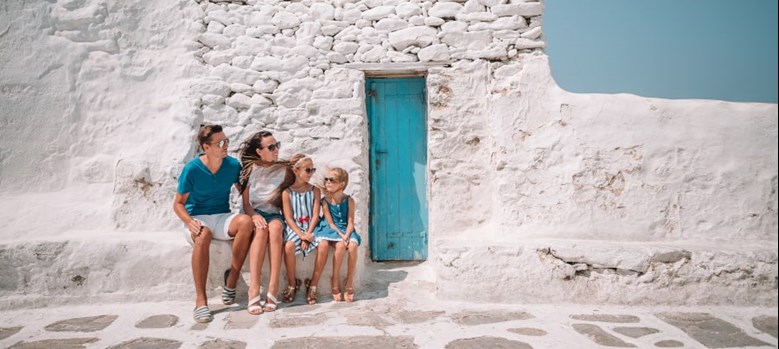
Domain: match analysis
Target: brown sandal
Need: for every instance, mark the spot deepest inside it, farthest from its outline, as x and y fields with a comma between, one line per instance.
x=288, y=296
x=311, y=298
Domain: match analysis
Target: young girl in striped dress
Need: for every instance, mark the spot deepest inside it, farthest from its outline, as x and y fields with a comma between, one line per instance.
x=300, y=205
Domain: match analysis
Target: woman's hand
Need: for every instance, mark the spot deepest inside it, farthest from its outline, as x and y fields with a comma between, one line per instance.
x=259, y=222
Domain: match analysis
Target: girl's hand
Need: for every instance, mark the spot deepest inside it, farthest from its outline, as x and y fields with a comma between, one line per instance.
x=308, y=237
x=304, y=245
x=259, y=222
x=346, y=240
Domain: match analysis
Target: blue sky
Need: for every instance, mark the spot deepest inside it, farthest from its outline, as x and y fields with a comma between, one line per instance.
x=709, y=49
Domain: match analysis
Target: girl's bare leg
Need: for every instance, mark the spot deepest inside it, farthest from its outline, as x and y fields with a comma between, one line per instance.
x=351, y=267
x=289, y=262
x=338, y=256
x=319, y=267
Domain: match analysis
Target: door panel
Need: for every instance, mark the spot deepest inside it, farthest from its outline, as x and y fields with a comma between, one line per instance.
x=398, y=217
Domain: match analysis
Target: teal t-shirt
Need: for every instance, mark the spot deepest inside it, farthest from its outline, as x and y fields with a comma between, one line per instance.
x=208, y=193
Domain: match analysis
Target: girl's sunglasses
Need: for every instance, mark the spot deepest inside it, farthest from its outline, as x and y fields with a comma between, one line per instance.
x=330, y=179
x=309, y=170
x=273, y=147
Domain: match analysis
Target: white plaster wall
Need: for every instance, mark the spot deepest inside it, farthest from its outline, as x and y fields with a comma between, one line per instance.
x=100, y=101
x=95, y=108
x=532, y=161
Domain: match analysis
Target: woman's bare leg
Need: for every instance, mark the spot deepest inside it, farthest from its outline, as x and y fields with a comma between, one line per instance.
x=276, y=240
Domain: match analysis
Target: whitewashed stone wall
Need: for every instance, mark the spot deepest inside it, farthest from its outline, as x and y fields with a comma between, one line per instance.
x=298, y=68
x=540, y=194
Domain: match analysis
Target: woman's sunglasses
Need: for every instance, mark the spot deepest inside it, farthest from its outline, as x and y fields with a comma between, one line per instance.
x=309, y=170
x=273, y=147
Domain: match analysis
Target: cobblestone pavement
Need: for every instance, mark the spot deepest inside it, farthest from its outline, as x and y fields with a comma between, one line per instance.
x=400, y=314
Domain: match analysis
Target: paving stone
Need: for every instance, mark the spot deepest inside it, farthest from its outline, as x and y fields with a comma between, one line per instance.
x=373, y=342
x=600, y=336
x=413, y=317
x=470, y=318
x=765, y=323
x=6, y=332
x=223, y=344
x=82, y=324
x=636, y=332
x=487, y=342
x=710, y=331
x=373, y=319
x=297, y=320
x=147, y=342
x=241, y=320
x=158, y=321
x=670, y=343
x=528, y=331
x=606, y=318
x=69, y=343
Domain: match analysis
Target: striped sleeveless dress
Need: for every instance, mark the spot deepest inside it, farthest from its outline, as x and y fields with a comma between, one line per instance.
x=302, y=209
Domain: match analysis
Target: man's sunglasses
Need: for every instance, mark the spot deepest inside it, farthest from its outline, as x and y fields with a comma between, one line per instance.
x=222, y=143
x=273, y=147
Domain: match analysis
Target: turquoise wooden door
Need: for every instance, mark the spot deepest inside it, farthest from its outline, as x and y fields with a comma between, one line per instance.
x=398, y=217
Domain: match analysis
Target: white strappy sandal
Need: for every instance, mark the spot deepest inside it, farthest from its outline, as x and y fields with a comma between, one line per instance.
x=271, y=303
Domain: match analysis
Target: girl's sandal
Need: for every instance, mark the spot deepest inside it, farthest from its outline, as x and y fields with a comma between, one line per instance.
x=311, y=295
x=336, y=295
x=349, y=295
x=288, y=296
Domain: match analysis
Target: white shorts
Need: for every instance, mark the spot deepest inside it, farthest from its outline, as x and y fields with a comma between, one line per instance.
x=219, y=224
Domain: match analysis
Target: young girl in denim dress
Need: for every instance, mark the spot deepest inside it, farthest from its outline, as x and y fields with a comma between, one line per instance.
x=337, y=229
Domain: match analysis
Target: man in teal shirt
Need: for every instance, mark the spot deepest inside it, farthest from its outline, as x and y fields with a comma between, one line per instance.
x=202, y=202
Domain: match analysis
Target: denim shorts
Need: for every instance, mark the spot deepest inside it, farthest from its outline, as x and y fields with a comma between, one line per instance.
x=269, y=216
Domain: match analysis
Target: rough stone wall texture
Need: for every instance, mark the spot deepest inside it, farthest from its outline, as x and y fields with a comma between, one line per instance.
x=112, y=94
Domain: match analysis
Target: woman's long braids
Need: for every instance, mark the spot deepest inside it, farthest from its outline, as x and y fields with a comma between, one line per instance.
x=249, y=157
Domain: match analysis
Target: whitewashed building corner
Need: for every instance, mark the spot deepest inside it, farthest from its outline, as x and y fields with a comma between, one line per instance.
x=534, y=194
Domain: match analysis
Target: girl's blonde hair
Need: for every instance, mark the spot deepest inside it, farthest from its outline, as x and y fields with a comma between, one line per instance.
x=298, y=159
x=343, y=176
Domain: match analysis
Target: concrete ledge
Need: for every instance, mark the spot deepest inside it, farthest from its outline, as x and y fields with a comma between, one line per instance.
x=605, y=272
x=117, y=267
x=40, y=273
